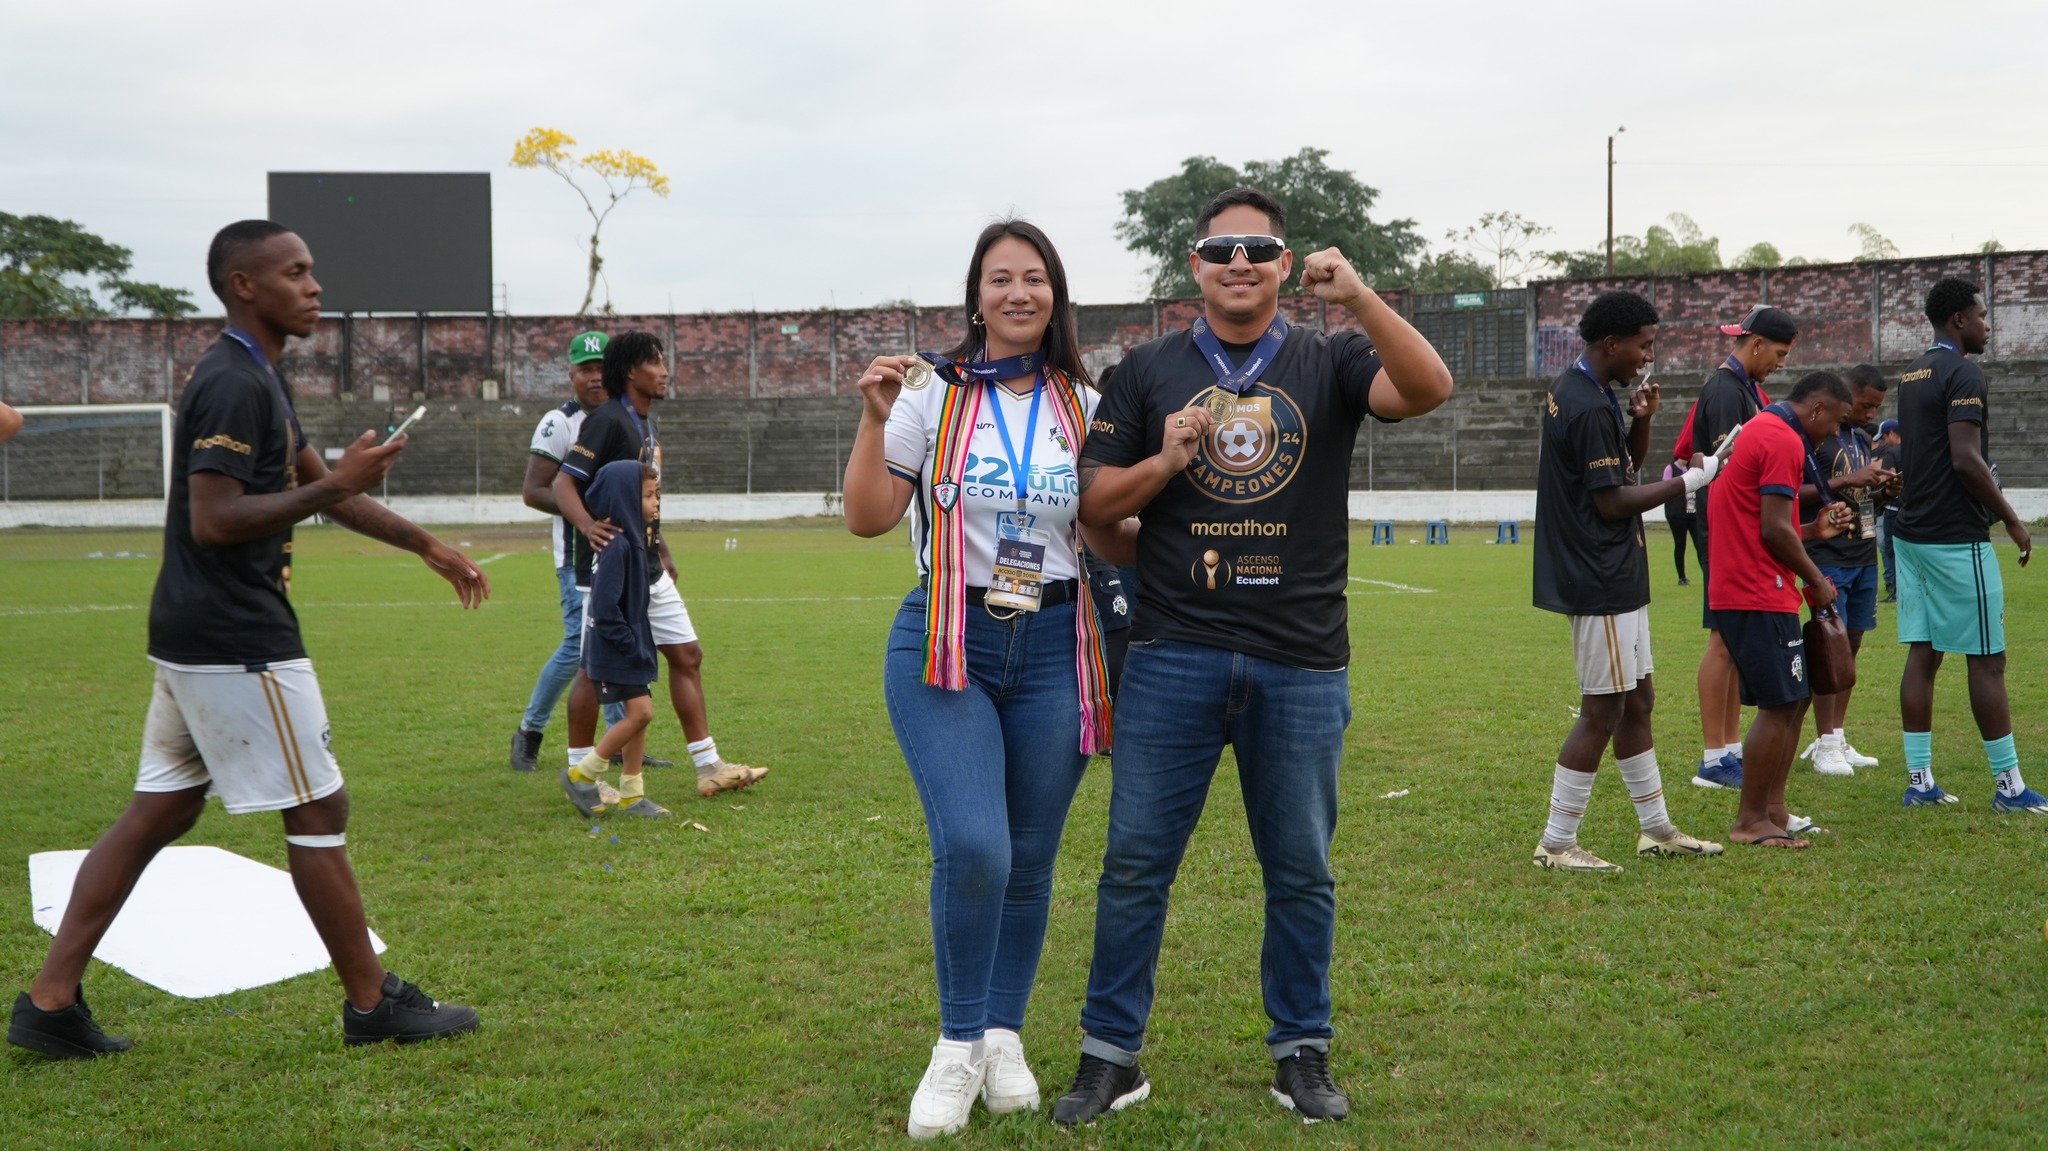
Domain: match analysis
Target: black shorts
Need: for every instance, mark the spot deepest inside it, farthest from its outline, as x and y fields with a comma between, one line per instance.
x=1770, y=655
x=619, y=692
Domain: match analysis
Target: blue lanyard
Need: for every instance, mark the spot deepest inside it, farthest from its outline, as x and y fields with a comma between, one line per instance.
x=277, y=382
x=641, y=424
x=1946, y=344
x=1231, y=378
x=981, y=368
x=1606, y=389
x=1020, y=468
x=1783, y=410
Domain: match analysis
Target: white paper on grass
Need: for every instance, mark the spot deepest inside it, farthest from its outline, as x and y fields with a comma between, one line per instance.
x=202, y=921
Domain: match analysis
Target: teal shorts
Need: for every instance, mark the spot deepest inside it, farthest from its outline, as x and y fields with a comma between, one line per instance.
x=1951, y=596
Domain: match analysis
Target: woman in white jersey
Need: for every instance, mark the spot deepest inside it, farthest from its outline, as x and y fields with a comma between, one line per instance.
x=994, y=674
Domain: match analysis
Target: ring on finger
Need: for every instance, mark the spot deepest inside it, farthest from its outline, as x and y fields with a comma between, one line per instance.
x=1180, y=421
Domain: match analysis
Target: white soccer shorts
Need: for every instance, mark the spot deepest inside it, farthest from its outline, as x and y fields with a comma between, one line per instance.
x=259, y=737
x=666, y=615
x=1612, y=651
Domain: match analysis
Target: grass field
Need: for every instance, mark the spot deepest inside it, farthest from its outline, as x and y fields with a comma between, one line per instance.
x=767, y=981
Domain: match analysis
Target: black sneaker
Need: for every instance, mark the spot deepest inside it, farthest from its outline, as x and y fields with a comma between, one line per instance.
x=1302, y=1084
x=525, y=750
x=405, y=1015
x=67, y=1033
x=619, y=760
x=1099, y=1086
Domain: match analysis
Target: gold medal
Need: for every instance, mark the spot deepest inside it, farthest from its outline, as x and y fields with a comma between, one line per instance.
x=1221, y=405
x=917, y=375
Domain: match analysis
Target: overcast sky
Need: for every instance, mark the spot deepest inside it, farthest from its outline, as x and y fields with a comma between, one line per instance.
x=848, y=152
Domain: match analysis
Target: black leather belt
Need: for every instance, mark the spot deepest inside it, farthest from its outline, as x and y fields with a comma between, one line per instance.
x=1052, y=595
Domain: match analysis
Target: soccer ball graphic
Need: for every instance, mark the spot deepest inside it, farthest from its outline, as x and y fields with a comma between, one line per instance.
x=1240, y=440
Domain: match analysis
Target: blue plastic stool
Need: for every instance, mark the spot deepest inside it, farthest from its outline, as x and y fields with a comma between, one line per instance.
x=1383, y=532
x=1439, y=532
x=1508, y=532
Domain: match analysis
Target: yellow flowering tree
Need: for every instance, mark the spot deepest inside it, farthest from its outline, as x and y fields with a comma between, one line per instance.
x=619, y=171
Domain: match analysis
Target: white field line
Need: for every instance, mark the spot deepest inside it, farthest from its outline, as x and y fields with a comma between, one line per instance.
x=1395, y=586
x=493, y=559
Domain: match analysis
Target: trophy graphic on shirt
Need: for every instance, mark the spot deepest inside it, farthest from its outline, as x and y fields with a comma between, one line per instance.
x=1210, y=559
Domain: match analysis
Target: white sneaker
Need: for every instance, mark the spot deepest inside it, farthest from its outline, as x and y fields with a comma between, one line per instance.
x=1007, y=1083
x=1857, y=758
x=1828, y=759
x=945, y=1096
x=1810, y=749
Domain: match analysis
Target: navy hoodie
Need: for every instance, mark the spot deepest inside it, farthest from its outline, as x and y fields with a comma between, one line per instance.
x=618, y=641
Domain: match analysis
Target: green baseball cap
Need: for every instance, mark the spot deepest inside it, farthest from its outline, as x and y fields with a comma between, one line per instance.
x=587, y=347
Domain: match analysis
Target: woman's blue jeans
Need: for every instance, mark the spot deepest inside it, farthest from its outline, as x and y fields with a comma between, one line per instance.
x=995, y=766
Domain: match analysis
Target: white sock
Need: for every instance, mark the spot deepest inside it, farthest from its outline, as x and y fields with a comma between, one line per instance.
x=1646, y=787
x=1734, y=749
x=1841, y=736
x=1710, y=757
x=704, y=753
x=1569, y=792
x=576, y=754
x=2009, y=782
x=1833, y=739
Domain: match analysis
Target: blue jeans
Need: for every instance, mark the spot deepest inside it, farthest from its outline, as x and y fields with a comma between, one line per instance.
x=560, y=670
x=995, y=766
x=1178, y=705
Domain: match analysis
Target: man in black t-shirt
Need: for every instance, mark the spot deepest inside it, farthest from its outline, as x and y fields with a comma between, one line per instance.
x=1592, y=567
x=1951, y=592
x=1232, y=442
x=1887, y=446
x=1850, y=559
x=1732, y=395
x=635, y=375
x=237, y=710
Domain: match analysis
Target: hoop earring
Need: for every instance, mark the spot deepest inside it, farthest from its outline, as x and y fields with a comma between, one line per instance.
x=977, y=321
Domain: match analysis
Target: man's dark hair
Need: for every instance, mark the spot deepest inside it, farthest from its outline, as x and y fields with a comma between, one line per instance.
x=231, y=245
x=1615, y=313
x=1276, y=216
x=626, y=351
x=1062, y=337
x=1827, y=382
x=1864, y=377
x=1949, y=295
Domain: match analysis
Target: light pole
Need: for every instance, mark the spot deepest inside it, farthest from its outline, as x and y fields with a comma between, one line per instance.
x=1610, y=198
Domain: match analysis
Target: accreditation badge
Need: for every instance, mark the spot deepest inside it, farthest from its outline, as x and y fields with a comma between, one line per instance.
x=1018, y=581
x=1866, y=515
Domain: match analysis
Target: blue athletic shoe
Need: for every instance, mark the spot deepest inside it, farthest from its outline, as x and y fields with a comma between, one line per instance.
x=1932, y=797
x=2030, y=801
x=1724, y=772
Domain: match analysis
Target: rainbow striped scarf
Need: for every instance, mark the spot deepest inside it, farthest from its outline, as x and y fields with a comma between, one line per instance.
x=945, y=654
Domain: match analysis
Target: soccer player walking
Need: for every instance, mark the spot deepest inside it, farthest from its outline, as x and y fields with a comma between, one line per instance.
x=1232, y=443
x=552, y=439
x=1592, y=566
x=237, y=710
x=1757, y=553
x=1951, y=595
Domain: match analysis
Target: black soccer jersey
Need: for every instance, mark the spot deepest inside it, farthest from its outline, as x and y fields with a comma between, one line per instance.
x=1249, y=548
x=228, y=605
x=1941, y=388
x=1586, y=564
x=614, y=431
x=1856, y=547
x=1729, y=397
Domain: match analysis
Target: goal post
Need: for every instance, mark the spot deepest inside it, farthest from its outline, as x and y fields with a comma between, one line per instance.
x=88, y=452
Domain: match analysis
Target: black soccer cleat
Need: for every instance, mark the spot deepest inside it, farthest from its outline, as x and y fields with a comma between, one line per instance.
x=1302, y=1084
x=66, y=1033
x=1099, y=1087
x=525, y=750
x=405, y=1015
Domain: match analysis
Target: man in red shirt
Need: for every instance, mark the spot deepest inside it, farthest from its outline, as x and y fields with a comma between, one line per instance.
x=1757, y=546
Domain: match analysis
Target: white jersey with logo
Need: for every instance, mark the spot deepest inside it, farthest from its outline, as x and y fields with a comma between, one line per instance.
x=551, y=439
x=1053, y=494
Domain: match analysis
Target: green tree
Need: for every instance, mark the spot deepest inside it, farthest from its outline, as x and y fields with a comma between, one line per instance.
x=47, y=267
x=1874, y=245
x=1451, y=271
x=1674, y=248
x=1762, y=254
x=1326, y=207
x=1989, y=246
x=1506, y=241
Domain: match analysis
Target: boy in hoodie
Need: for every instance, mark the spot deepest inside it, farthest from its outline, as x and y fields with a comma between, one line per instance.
x=618, y=639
